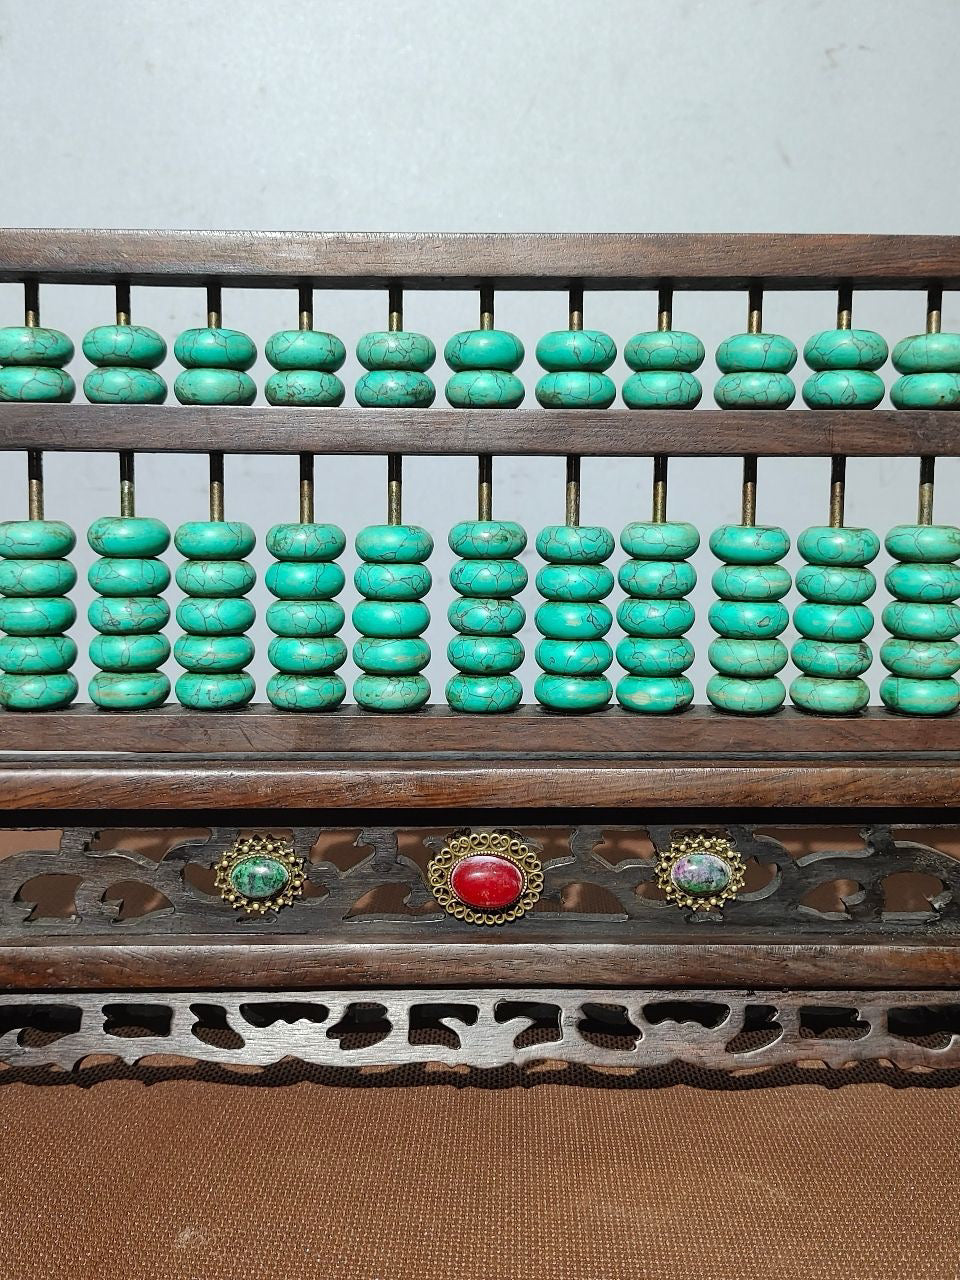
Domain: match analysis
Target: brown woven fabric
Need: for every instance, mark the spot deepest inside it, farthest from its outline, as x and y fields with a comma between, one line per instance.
x=197, y=1173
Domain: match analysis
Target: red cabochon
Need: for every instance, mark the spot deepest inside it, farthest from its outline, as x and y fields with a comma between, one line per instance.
x=486, y=881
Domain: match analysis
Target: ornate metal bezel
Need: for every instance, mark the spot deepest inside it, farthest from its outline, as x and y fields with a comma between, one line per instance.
x=687, y=842
x=501, y=844
x=264, y=846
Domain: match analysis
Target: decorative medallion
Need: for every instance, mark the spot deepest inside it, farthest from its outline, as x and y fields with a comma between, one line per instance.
x=700, y=871
x=486, y=877
x=259, y=874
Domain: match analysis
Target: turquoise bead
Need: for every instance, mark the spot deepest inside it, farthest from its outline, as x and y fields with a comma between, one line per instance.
x=214, y=386
x=37, y=655
x=32, y=384
x=486, y=617
x=668, y=540
x=845, y=349
x=577, y=582
x=304, y=617
x=485, y=655
x=44, y=616
x=129, y=690
x=746, y=697
x=920, y=697
x=664, y=349
x=747, y=620
x=306, y=693
x=391, y=657
x=304, y=580
x=921, y=659
x=924, y=583
x=304, y=387
x=751, y=581
x=654, y=695
x=653, y=656
x=128, y=615
x=395, y=389
x=575, y=543
x=662, y=390
x=843, y=389
x=307, y=542
x=660, y=579
x=483, y=693
x=747, y=659
x=215, y=616
x=394, y=544
x=487, y=539
x=36, y=539
x=925, y=391
x=923, y=543
x=574, y=657
x=124, y=386
x=399, y=350
x=223, y=349
x=213, y=653
x=494, y=349
x=749, y=544
x=586, y=350
x=216, y=692
x=297, y=655
x=484, y=388
x=392, y=581
x=216, y=578
x=834, y=660
x=389, y=619
x=137, y=536
x=572, y=693
x=829, y=697
x=837, y=622
x=37, y=692
x=495, y=579
x=22, y=344
x=754, y=391
x=215, y=539
x=756, y=352
x=836, y=584
x=655, y=618
x=36, y=577
x=576, y=390
x=124, y=346
x=824, y=544
x=927, y=353
x=143, y=652
x=558, y=620
x=128, y=576
x=911, y=621
x=391, y=693
x=305, y=349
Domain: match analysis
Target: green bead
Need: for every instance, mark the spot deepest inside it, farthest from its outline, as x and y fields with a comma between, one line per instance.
x=920, y=697
x=923, y=543
x=302, y=349
x=661, y=389
x=128, y=576
x=386, y=619
x=46, y=616
x=829, y=697
x=259, y=877
x=37, y=692
x=746, y=697
x=398, y=349
x=668, y=540
x=924, y=583
x=214, y=386
x=925, y=391
x=32, y=384
x=751, y=581
x=306, y=693
x=756, y=353
x=304, y=580
x=215, y=348
x=124, y=386
x=36, y=539
x=216, y=617
x=928, y=353
x=558, y=620
x=574, y=657
x=310, y=542
x=576, y=390
x=587, y=350
x=660, y=579
x=487, y=539
x=304, y=387
x=748, y=620
x=128, y=691
x=305, y=617
x=921, y=659
x=215, y=539
x=653, y=656
x=213, y=653
x=128, y=615
x=124, y=346
x=485, y=655
x=216, y=578
x=845, y=349
x=36, y=577
x=655, y=618
x=831, y=659
x=754, y=391
x=575, y=543
x=747, y=659
x=485, y=617
x=399, y=389
x=922, y=621
x=134, y=536
x=824, y=544
x=572, y=693
x=484, y=388
x=384, y=657
x=392, y=581
x=22, y=344
x=482, y=694
x=129, y=652
x=836, y=584
x=578, y=582
x=654, y=695
x=839, y=622
x=37, y=655
x=749, y=544
x=301, y=655
x=391, y=693
x=668, y=349
x=843, y=389
x=484, y=349
x=216, y=692
x=394, y=544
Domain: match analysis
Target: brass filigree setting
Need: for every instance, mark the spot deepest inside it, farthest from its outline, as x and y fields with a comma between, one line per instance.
x=260, y=873
x=508, y=862
x=700, y=870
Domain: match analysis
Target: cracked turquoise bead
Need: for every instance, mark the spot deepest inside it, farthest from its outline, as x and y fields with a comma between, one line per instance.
x=671, y=350
x=827, y=545
x=837, y=622
x=559, y=620
x=44, y=616
x=751, y=581
x=746, y=620
x=667, y=540
x=749, y=544
x=576, y=390
x=37, y=655
x=488, y=617
x=391, y=693
x=133, y=536
x=754, y=391
x=124, y=346
x=746, y=697
x=652, y=656
x=289, y=692
x=655, y=618
x=128, y=576
x=756, y=352
x=36, y=577
x=37, y=692
x=659, y=579
x=576, y=582
x=654, y=695
x=396, y=349
x=395, y=389
x=920, y=697
x=574, y=657
x=215, y=348
x=391, y=656
x=124, y=386
x=485, y=654
x=836, y=584
x=33, y=384
x=216, y=692
x=920, y=659
x=927, y=353
x=299, y=350
x=575, y=543
x=128, y=690
x=143, y=652
x=572, y=693
x=36, y=539
x=295, y=618
x=832, y=660
x=495, y=579
x=843, y=389
x=22, y=344
x=661, y=389
x=215, y=616
x=394, y=543
x=829, y=697
x=924, y=543
x=484, y=388
x=128, y=615
x=747, y=659
x=925, y=391
x=479, y=694
x=214, y=579
x=388, y=619
x=214, y=386
x=306, y=542
x=213, y=653
x=845, y=349
x=304, y=387
x=915, y=621
x=214, y=539
x=924, y=583
x=566, y=350
x=484, y=349
x=487, y=539
x=392, y=581
x=305, y=579
x=298, y=655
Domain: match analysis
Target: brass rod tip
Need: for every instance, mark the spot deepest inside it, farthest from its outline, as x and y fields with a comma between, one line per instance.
x=572, y=496
x=395, y=308
x=659, y=488
x=34, y=484
x=664, y=308
x=122, y=296
x=845, y=306
x=305, y=306
x=838, y=483
x=486, y=306
x=925, y=492
x=575, y=306
x=485, y=486
x=748, y=496
x=394, y=488
x=214, y=306
x=216, y=487
x=934, y=309
x=31, y=303
x=755, y=309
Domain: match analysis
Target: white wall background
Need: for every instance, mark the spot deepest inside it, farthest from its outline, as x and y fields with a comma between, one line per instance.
x=715, y=115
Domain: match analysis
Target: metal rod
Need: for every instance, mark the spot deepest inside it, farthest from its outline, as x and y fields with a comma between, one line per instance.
x=755, y=309
x=934, y=309
x=128, y=501
x=485, y=460
x=927, y=461
x=122, y=291
x=748, y=495
x=394, y=487
x=306, y=488
x=665, y=308
x=660, y=460
x=845, y=306
x=576, y=306
x=486, y=306
x=214, y=306
x=838, y=478
x=395, y=308
x=216, y=486
x=34, y=484
x=31, y=303
x=572, y=499
x=305, y=297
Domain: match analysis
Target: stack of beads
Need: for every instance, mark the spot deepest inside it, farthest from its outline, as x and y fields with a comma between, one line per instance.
x=392, y=617
x=484, y=362
x=844, y=363
x=215, y=360
x=748, y=617
x=396, y=361
x=834, y=620
x=126, y=356
x=306, y=361
x=31, y=365
x=930, y=364
x=304, y=618
x=35, y=655
x=664, y=361
x=923, y=619
x=755, y=368
x=575, y=360
x=128, y=613
x=573, y=621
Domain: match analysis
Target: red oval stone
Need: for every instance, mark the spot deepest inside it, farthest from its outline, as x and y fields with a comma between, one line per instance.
x=485, y=881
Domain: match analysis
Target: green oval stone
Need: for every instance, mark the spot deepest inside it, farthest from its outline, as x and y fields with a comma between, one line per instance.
x=486, y=617
x=216, y=692
x=36, y=577
x=124, y=346
x=575, y=582
x=303, y=655
x=484, y=349
x=394, y=544
x=829, y=697
x=921, y=659
x=483, y=694
x=746, y=697
x=928, y=353
x=824, y=544
x=305, y=349
x=654, y=656
x=309, y=542
x=926, y=391
x=487, y=539
x=922, y=621
x=754, y=391
x=216, y=578
x=751, y=581
x=46, y=616
x=213, y=653
x=924, y=583
x=586, y=350
x=22, y=344
x=747, y=659
x=748, y=620
x=924, y=543
x=395, y=389
x=920, y=697
x=128, y=576
x=574, y=657
x=128, y=615
x=259, y=877
x=305, y=580
x=399, y=349
x=836, y=584
x=391, y=693
x=666, y=349
x=701, y=874
x=661, y=579
x=226, y=349
x=32, y=384
x=558, y=620
x=215, y=539
x=37, y=693
x=749, y=544
x=831, y=659
x=304, y=387
x=661, y=389
x=306, y=693
x=572, y=693
x=654, y=695
x=655, y=618
x=755, y=353
x=392, y=581
x=485, y=655
x=575, y=543
x=845, y=349
x=836, y=622
x=129, y=690
x=388, y=619
x=484, y=388
x=304, y=617
x=134, y=652
x=216, y=617
x=576, y=390
x=843, y=389
x=128, y=536
x=666, y=540
x=391, y=657
x=37, y=655
x=124, y=386
x=214, y=386
x=36, y=539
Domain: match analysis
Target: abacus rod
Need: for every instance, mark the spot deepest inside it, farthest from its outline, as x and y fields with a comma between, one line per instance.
x=485, y=460
x=838, y=463
x=31, y=303
x=572, y=495
x=748, y=493
x=31, y=318
x=660, y=460
x=122, y=293
x=305, y=306
x=927, y=461
x=214, y=315
x=305, y=321
x=127, y=490
x=394, y=460
x=214, y=306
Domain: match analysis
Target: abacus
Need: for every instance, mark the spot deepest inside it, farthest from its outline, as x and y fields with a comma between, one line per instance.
x=488, y=808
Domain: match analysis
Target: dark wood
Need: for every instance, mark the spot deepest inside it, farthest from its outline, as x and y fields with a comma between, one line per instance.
x=804, y=433
x=441, y=260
